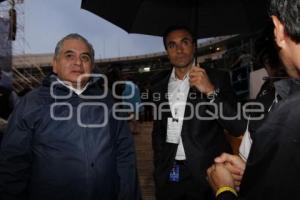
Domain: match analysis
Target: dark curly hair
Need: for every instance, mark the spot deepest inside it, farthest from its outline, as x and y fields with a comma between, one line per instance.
x=267, y=51
x=288, y=12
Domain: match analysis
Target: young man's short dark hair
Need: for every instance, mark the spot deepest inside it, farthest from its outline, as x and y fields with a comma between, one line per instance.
x=175, y=28
x=288, y=13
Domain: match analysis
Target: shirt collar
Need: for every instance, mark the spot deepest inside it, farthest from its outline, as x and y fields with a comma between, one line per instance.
x=174, y=78
x=76, y=90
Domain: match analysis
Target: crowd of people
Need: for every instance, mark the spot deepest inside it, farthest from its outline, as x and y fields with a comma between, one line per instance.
x=71, y=138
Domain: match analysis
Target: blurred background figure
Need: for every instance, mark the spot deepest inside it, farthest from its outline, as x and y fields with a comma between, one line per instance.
x=125, y=89
x=113, y=77
x=8, y=99
x=132, y=98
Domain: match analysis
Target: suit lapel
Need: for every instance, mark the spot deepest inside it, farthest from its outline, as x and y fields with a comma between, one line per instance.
x=194, y=97
x=163, y=91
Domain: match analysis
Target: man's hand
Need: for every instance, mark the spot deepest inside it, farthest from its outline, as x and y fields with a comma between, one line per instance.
x=234, y=164
x=200, y=79
x=219, y=176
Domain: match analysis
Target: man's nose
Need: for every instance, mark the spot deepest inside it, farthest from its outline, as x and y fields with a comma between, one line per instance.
x=179, y=48
x=78, y=60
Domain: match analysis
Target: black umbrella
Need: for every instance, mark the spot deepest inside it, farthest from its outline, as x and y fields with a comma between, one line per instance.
x=207, y=18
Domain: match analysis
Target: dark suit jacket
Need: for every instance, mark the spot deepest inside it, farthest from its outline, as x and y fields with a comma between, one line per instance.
x=203, y=140
x=266, y=97
x=272, y=170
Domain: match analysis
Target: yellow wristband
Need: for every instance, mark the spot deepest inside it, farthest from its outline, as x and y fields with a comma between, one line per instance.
x=224, y=189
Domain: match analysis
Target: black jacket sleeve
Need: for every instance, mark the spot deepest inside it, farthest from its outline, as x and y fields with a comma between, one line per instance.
x=229, y=109
x=226, y=196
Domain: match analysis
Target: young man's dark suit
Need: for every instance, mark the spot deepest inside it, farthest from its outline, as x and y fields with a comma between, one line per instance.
x=203, y=140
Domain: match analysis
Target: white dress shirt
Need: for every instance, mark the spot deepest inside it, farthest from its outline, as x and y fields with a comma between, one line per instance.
x=178, y=91
x=246, y=143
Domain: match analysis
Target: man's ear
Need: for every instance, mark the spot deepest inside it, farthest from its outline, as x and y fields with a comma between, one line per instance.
x=279, y=32
x=54, y=65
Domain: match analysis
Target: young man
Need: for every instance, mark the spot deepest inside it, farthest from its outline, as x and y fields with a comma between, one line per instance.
x=186, y=135
x=62, y=141
x=272, y=170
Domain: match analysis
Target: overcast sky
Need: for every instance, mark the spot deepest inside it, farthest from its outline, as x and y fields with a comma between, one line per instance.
x=47, y=21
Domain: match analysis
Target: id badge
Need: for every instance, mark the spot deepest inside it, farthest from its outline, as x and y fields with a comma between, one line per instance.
x=174, y=173
x=173, y=131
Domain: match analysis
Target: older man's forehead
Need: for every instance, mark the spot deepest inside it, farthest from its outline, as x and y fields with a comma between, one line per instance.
x=66, y=51
x=72, y=44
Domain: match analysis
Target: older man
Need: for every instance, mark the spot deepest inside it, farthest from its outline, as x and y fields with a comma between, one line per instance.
x=62, y=141
x=272, y=170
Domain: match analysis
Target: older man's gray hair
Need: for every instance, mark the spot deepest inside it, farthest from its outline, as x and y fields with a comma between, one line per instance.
x=75, y=36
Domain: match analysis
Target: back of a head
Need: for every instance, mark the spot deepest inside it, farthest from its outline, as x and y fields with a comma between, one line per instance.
x=288, y=12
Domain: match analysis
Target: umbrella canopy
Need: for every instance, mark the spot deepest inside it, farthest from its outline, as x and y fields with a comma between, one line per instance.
x=207, y=18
